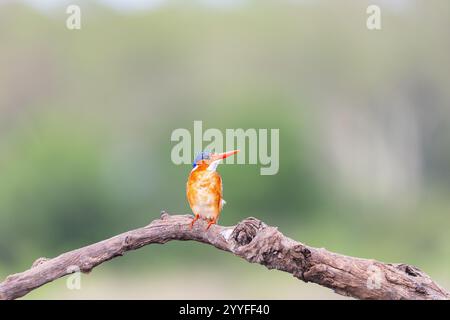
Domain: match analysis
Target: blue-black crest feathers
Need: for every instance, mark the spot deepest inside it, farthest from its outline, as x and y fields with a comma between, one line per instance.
x=202, y=155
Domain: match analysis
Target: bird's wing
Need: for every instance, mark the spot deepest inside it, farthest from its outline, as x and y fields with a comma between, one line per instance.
x=221, y=201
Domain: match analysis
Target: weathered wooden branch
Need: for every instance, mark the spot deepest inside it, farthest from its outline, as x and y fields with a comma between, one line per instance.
x=253, y=241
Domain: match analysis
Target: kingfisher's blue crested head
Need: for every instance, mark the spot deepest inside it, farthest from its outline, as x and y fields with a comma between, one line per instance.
x=204, y=155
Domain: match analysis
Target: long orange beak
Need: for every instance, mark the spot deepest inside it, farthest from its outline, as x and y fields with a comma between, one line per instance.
x=225, y=154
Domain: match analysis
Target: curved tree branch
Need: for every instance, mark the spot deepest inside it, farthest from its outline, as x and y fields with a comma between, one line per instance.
x=253, y=241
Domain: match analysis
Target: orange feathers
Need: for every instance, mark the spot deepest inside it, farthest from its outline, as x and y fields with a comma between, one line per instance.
x=204, y=193
x=204, y=187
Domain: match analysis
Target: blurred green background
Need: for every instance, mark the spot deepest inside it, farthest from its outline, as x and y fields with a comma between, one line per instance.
x=86, y=118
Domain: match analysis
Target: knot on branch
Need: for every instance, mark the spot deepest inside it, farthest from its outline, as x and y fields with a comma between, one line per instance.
x=39, y=261
x=164, y=215
x=258, y=243
x=300, y=255
x=409, y=270
x=246, y=231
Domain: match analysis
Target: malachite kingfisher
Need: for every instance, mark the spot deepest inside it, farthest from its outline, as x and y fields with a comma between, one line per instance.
x=204, y=187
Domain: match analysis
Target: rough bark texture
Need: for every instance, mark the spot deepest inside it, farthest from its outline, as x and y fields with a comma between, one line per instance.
x=253, y=241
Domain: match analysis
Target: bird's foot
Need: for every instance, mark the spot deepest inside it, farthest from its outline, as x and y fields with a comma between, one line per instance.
x=210, y=223
x=191, y=225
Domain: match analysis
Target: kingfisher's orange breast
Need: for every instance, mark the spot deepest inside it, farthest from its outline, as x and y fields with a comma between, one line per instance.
x=204, y=192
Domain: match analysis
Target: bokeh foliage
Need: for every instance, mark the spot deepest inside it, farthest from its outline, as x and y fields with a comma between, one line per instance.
x=86, y=118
